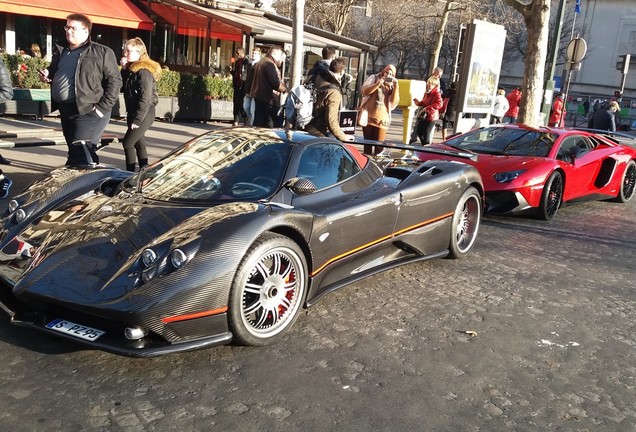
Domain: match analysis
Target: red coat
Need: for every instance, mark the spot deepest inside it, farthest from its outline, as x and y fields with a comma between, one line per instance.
x=555, y=113
x=514, y=97
x=432, y=102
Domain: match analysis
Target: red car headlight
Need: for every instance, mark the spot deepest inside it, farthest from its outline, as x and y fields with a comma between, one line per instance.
x=507, y=176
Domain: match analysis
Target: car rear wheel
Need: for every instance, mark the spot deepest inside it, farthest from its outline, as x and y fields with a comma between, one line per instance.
x=551, y=197
x=628, y=184
x=268, y=290
x=465, y=223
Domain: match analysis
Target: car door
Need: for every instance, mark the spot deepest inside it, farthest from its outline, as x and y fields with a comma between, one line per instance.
x=355, y=209
x=581, y=172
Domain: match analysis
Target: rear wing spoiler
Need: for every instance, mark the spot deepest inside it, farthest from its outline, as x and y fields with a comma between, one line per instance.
x=412, y=148
x=618, y=137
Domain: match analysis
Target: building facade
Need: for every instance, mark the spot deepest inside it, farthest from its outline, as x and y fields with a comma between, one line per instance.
x=197, y=36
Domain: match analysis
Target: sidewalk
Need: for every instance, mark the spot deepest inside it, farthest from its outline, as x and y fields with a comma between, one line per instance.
x=37, y=146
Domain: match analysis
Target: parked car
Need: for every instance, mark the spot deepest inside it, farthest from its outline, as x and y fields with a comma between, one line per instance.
x=527, y=169
x=226, y=238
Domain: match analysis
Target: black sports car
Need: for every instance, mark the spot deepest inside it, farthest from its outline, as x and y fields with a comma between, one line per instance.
x=225, y=238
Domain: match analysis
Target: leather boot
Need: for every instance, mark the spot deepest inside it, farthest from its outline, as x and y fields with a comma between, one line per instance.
x=130, y=167
x=143, y=163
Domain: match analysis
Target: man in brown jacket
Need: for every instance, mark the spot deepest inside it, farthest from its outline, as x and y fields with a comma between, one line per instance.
x=266, y=89
x=328, y=101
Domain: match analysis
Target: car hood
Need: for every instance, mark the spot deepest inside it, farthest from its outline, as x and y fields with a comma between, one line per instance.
x=488, y=165
x=87, y=251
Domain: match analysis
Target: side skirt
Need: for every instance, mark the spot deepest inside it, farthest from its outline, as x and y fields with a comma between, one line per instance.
x=375, y=270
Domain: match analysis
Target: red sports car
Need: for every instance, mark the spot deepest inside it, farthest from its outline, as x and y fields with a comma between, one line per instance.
x=538, y=169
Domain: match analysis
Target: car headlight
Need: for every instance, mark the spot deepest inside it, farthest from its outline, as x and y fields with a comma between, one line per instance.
x=507, y=176
x=13, y=205
x=148, y=257
x=178, y=258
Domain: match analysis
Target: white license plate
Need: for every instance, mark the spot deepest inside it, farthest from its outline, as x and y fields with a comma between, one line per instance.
x=77, y=330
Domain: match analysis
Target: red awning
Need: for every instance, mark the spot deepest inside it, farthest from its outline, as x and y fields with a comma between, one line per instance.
x=116, y=13
x=191, y=23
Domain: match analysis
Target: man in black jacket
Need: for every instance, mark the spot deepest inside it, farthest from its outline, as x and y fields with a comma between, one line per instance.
x=603, y=119
x=85, y=85
x=6, y=93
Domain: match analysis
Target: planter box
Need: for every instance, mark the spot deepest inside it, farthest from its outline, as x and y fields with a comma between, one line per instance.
x=28, y=102
x=31, y=94
x=191, y=109
x=165, y=108
x=180, y=108
x=221, y=110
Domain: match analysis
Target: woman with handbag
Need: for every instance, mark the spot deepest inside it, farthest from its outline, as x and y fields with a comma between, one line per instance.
x=429, y=112
x=380, y=96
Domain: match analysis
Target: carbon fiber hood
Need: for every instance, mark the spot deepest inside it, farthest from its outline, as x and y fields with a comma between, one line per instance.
x=87, y=251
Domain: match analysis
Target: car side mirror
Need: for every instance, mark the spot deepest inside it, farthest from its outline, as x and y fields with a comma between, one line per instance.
x=301, y=186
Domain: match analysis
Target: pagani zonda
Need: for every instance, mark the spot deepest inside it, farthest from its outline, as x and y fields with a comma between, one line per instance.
x=527, y=169
x=226, y=238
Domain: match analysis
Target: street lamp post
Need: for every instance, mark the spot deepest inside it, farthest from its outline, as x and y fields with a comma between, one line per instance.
x=549, y=82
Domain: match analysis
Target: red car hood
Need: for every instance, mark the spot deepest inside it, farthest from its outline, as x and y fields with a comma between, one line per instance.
x=488, y=165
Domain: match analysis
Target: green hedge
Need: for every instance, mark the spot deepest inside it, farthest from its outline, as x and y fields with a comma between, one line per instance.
x=24, y=74
x=193, y=86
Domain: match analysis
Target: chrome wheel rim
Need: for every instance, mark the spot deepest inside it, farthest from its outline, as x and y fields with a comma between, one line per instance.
x=467, y=224
x=273, y=292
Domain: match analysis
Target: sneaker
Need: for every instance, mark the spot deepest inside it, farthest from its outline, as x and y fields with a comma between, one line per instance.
x=5, y=184
x=4, y=161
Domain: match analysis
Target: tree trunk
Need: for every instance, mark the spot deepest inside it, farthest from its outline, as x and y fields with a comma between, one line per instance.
x=536, y=16
x=439, y=34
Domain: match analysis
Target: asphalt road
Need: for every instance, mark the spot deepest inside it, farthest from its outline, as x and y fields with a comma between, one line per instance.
x=552, y=306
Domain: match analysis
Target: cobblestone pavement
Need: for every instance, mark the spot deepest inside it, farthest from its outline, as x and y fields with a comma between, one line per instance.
x=552, y=305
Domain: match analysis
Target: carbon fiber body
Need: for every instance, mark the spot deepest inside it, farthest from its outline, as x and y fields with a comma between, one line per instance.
x=77, y=254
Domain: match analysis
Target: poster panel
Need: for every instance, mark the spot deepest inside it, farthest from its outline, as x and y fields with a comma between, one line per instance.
x=482, y=67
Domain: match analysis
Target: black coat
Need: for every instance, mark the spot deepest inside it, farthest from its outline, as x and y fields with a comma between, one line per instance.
x=6, y=88
x=140, y=88
x=602, y=120
x=97, y=80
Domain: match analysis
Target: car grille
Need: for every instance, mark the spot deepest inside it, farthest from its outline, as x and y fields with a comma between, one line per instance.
x=501, y=202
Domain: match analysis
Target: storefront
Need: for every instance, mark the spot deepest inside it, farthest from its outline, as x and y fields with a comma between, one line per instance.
x=197, y=36
x=41, y=22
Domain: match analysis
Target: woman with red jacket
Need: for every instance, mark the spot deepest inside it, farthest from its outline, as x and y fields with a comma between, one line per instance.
x=514, y=98
x=429, y=112
x=557, y=113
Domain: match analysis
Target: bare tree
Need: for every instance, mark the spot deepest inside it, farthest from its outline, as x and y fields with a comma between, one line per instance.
x=331, y=15
x=536, y=14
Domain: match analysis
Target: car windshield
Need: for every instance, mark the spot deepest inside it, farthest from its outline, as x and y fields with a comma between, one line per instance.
x=218, y=166
x=505, y=141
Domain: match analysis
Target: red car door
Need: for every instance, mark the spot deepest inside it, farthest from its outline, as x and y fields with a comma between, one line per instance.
x=580, y=172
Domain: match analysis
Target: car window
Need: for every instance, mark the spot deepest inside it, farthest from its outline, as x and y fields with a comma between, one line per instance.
x=505, y=141
x=326, y=164
x=583, y=144
x=219, y=166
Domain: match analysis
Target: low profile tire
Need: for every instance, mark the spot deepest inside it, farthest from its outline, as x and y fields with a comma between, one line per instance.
x=465, y=224
x=551, y=197
x=628, y=183
x=268, y=291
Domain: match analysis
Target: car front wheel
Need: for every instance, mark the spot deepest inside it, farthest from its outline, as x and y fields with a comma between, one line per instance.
x=465, y=224
x=551, y=197
x=628, y=183
x=268, y=290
